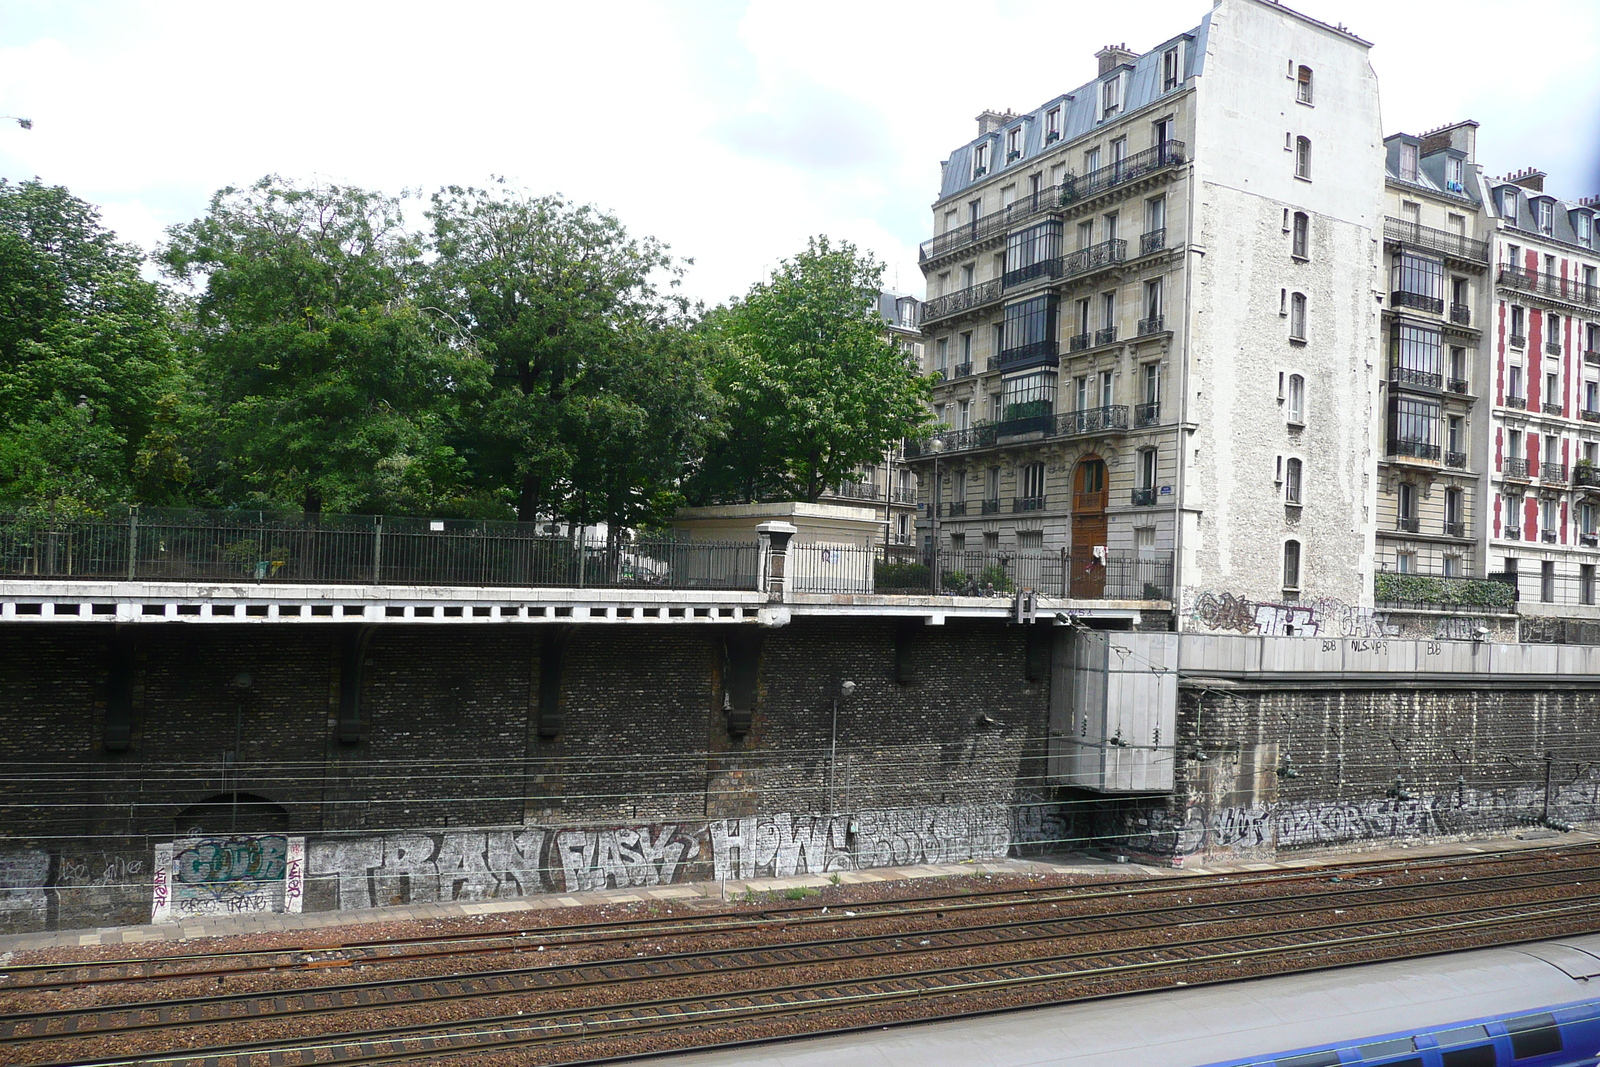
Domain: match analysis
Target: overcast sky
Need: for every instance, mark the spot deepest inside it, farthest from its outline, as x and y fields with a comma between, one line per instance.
x=730, y=130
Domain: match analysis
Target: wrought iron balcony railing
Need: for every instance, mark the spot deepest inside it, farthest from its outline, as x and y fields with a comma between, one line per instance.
x=1552, y=409
x=1515, y=469
x=1547, y=536
x=1027, y=503
x=1401, y=299
x=1551, y=286
x=1514, y=401
x=1147, y=414
x=1144, y=497
x=1517, y=340
x=1165, y=154
x=1154, y=241
x=1423, y=379
x=973, y=296
x=1079, y=341
x=1586, y=474
x=963, y=370
x=993, y=224
x=1455, y=245
x=1592, y=357
x=1112, y=418
x=1512, y=532
x=1457, y=385
x=1105, y=335
x=1094, y=420
x=1455, y=459
x=1553, y=473
x=905, y=494
x=1461, y=314
x=1095, y=257
x=1589, y=540
x=1552, y=348
x=1154, y=324
x=1037, y=353
x=991, y=505
x=856, y=490
x=957, y=508
x=1414, y=449
x=1455, y=529
x=1589, y=415
x=1409, y=524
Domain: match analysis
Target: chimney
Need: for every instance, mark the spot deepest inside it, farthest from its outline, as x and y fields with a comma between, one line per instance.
x=1589, y=201
x=990, y=121
x=1461, y=136
x=1530, y=178
x=1113, y=56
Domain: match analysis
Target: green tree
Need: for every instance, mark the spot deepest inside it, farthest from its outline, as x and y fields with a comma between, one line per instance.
x=813, y=385
x=597, y=392
x=326, y=383
x=90, y=386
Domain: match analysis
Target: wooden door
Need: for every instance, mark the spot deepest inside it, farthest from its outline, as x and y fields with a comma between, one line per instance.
x=1088, y=528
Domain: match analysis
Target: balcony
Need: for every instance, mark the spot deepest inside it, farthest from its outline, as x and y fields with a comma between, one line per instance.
x=1095, y=257
x=1154, y=241
x=1045, y=268
x=1093, y=420
x=1037, y=354
x=1455, y=245
x=1166, y=154
x=1549, y=286
x=1586, y=474
x=905, y=494
x=1552, y=348
x=1409, y=524
x=1512, y=533
x=1514, y=469
x=1414, y=450
x=1421, y=379
x=1513, y=401
x=1145, y=497
x=1589, y=415
x=1551, y=409
x=963, y=370
x=1105, y=336
x=1458, y=460
x=991, y=506
x=968, y=299
x=956, y=509
x=1547, y=536
x=1592, y=358
x=1079, y=341
x=1553, y=473
x=1457, y=385
x=1517, y=340
x=1027, y=503
x=1147, y=414
x=1402, y=299
x=1154, y=324
x=857, y=490
x=1461, y=314
x=1103, y=420
x=994, y=224
x=1589, y=540
x=1455, y=529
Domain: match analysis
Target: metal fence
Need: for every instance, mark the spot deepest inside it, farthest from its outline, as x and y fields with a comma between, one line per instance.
x=184, y=546
x=1078, y=574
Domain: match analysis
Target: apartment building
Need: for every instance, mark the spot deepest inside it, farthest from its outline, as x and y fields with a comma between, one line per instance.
x=1544, y=453
x=1434, y=397
x=1151, y=300
x=891, y=484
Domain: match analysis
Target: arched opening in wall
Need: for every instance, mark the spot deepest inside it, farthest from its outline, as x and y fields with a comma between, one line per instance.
x=228, y=813
x=1089, y=528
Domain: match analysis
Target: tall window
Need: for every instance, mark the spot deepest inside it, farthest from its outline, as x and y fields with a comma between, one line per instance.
x=1152, y=305
x=1147, y=468
x=1583, y=226
x=1106, y=380
x=1169, y=69
x=1418, y=353
x=1033, y=481
x=1291, y=566
x=1029, y=396
x=1418, y=282
x=1295, y=400
x=1052, y=125
x=1456, y=436
x=1014, y=144
x=1453, y=172
x=1152, y=383
x=1297, y=316
x=1407, y=503
x=1033, y=253
x=958, y=491
x=980, y=159
x=1119, y=155
x=941, y=354
x=1408, y=162
x=1291, y=482
x=1547, y=582
x=1110, y=96
x=1547, y=216
x=1302, y=157
x=1301, y=242
x=1452, y=513
x=1414, y=427
x=1030, y=327
x=1155, y=214
x=1518, y=331
x=1302, y=89
x=1508, y=207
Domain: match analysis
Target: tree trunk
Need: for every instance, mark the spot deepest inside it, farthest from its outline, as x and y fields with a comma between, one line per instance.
x=312, y=505
x=528, y=499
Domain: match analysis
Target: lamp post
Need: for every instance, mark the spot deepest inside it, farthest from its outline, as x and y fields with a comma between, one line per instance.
x=847, y=689
x=935, y=446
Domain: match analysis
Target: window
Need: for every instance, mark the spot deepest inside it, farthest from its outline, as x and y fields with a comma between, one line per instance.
x=1291, y=566
x=1549, y=517
x=958, y=492
x=992, y=486
x=1454, y=172
x=938, y=415
x=1585, y=596
x=1547, y=584
x=1155, y=214
x=1031, y=541
x=1552, y=389
x=1514, y=392
x=1030, y=396
x=1452, y=513
x=1408, y=162
x=1008, y=196
x=1152, y=305
x=1119, y=156
x=1418, y=353
x=1452, y=569
x=1302, y=88
x=1052, y=125
x=1418, y=282
x=1413, y=427
x=1591, y=396
x=1033, y=253
x=1412, y=212
x=1295, y=402
x=1081, y=392
x=941, y=354
x=1030, y=325
x=1085, y=233
x=1407, y=504
x=1170, y=74
x=1161, y=133
x=1108, y=313
x=1547, y=216
x=1508, y=208
x=1458, y=369
x=1091, y=160
x=950, y=218
x=968, y=272
x=1458, y=295
x=1105, y=388
x=1109, y=227
x=1083, y=318
x=1300, y=244
x=1405, y=562
x=964, y=415
x=1517, y=330
x=1147, y=468
x=1144, y=541
x=1033, y=480
x=958, y=542
x=1110, y=96
x=1297, y=316
x=1302, y=158
x=1014, y=144
x=1456, y=437
x=980, y=160
x=1291, y=482
x=1152, y=383
x=966, y=347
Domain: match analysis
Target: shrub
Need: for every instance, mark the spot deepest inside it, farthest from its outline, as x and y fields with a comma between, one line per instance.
x=1428, y=589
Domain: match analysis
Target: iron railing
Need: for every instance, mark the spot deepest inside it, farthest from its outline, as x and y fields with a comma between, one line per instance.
x=1421, y=301
x=1455, y=529
x=963, y=370
x=1456, y=245
x=1423, y=379
x=1409, y=524
x=1105, y=335
x=1154, y=241
x=1461, y=314
x=1514, y=468
x=1552, y=348
x=1079, y=341
x=1455, y=459
x=1414, y=449
x=1592, y=357
x=1147, y=414
x=1552, y=408
x=1458, y=385
x=1042, y=352
x=1553, y=473
x=905, y=494
x=1105, y=419
x=1589, y=415
x=1586, y=474
x=1095, y=257
x=1153, y=324
x=1143, y=497
x=1027, y=503
x=1078, y=573
x=990, y=225
x=1165, y=154
x=1110, y=419
x=857, y=490
x=262, y=547
x=1553, y=286
x=1513, y=401
x=1517, y=340
x=991, y=506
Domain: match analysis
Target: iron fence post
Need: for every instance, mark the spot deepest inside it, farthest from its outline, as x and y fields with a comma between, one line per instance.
x=133, y=540
x=377, y=549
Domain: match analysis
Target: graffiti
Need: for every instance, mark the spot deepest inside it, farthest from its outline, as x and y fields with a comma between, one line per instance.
x=945, y=834
x=227, y=868
x=779, y=846
x=425, y=868
x=23, y=875
x=642, y=856
x=1322, y=617
x=102, y=870
x=294, y=876
x=1039, y=825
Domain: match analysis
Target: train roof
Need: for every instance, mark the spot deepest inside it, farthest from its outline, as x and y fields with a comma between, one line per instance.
x=1184, y=1027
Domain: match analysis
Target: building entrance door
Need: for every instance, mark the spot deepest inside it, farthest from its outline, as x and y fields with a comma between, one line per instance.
x=1088, y=528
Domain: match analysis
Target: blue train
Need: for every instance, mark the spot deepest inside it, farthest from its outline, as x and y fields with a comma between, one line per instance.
x=1532, y=1005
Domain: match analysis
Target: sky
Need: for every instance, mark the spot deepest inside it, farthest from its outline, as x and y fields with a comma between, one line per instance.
x=729, y=129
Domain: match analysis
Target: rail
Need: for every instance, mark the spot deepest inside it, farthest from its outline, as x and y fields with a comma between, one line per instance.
x=973, y=296
x=1456, y=245
x=1554, y=287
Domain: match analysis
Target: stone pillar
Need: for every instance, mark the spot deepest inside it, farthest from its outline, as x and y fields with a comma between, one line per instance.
x=775, y=537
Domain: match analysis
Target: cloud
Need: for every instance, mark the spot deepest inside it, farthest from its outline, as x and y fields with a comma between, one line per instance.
x=810, y=126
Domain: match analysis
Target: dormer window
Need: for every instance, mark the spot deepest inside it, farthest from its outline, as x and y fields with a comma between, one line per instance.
x=1454, y=175
x=1170, y=74
x=1110, y=97
x=1547, y=216
x=1302, y=87
x=1508, y=205
x=1408, y=162
x=1014, y=144
x=1583, y=226
x=1052, y=125
x=980, y=160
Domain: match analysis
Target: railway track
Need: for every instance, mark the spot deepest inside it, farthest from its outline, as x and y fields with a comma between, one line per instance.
x=566, y=1012
x=55, y=976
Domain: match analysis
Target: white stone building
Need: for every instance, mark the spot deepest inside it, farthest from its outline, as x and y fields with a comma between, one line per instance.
x=1156, y=304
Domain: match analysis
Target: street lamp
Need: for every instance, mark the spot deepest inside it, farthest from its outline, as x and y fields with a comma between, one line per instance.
x=935, y=446
x=847, y=689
